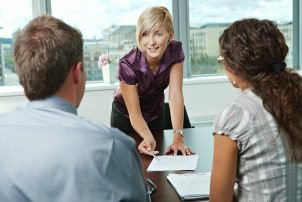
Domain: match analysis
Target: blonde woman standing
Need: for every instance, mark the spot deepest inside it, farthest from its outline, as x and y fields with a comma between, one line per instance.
x=144, y=73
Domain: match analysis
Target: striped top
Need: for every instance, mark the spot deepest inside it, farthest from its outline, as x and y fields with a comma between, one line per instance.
x=265, y=171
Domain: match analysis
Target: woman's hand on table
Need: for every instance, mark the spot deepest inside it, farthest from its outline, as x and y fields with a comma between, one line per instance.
x=147, y=146
x=179, y=146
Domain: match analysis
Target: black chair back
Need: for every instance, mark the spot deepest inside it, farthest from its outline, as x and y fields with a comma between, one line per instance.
x=167, y=124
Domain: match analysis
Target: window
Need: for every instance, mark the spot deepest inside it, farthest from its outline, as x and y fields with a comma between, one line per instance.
x=12, y=20
x=107, y=28
x=209, y=18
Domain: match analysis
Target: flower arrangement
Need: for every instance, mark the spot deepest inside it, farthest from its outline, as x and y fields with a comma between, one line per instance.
x=103, y=60
x=108, y=71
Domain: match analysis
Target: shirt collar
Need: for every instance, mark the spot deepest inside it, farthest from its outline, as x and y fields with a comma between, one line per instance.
x=143, y=64
x=53, y=102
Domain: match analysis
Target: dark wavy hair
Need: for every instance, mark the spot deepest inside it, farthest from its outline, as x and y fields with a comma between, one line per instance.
x=45, y=51
x=255, y=50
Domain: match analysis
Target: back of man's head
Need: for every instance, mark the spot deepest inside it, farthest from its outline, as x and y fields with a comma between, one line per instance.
x=45, y=51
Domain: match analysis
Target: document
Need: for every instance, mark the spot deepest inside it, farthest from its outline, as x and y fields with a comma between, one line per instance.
x=171, y=162
x=191, y=186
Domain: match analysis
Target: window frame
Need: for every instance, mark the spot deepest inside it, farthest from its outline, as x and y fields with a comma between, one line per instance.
x=297, y=38
x=180, y=11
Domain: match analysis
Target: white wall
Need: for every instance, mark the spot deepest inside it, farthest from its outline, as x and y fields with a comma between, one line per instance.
x=11, y=97
x=204, y=98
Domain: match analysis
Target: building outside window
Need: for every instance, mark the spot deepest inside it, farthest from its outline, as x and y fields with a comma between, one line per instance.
x=12, y=20
x=109, y=27
x=209, y=18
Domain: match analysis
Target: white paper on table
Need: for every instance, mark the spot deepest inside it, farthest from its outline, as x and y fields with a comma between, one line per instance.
x=170, y=162
x=191, y=186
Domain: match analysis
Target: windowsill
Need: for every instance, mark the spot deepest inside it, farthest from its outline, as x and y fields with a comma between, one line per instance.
x=8, y=91
x=205, y=79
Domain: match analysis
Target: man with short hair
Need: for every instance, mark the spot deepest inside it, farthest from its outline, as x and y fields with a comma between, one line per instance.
x=47, y=152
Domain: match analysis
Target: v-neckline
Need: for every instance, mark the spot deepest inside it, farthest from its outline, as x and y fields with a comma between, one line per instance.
x=154, y=73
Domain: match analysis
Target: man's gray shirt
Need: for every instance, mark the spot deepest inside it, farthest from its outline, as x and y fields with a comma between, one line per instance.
x=49, y=154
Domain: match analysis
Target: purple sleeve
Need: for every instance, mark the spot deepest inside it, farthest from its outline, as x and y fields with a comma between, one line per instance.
x=174, y=53
x=179, y=54
x=126, y=73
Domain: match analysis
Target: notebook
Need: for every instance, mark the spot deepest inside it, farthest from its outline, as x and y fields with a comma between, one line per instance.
x=191, y=186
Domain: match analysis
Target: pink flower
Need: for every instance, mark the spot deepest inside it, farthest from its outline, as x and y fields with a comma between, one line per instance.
x=103, y=60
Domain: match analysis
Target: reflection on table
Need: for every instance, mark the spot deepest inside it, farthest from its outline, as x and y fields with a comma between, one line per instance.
x=200, y=139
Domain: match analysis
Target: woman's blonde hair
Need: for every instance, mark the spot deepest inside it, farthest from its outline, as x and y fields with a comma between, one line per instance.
x=151, y=18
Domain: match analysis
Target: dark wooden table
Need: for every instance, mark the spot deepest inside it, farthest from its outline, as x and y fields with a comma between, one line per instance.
x=200, y=139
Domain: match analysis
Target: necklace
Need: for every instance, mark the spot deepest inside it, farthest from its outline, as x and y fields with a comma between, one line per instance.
x=154, y=69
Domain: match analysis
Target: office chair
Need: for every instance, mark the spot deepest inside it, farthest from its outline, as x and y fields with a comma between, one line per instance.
x=167, y=124
x=151, y=189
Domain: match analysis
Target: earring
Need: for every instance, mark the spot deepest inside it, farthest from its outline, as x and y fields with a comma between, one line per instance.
x=234, y=82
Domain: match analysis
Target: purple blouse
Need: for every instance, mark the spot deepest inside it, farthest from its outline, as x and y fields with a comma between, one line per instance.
x=134, y=70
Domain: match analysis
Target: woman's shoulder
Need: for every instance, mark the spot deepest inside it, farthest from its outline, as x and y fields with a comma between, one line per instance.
x=248, y=100
x=129, y=65
x=175, y=43
x=175, y=46
x=174, y=52
x=132, y=56
x=240, y=106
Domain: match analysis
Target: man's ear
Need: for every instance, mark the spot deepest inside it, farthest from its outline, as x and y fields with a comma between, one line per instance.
x=77, y=72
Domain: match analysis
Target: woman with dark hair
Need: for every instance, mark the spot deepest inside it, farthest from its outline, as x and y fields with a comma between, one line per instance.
x=258, y=136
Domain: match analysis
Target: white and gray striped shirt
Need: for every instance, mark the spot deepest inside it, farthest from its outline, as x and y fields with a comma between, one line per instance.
x=265, y=171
